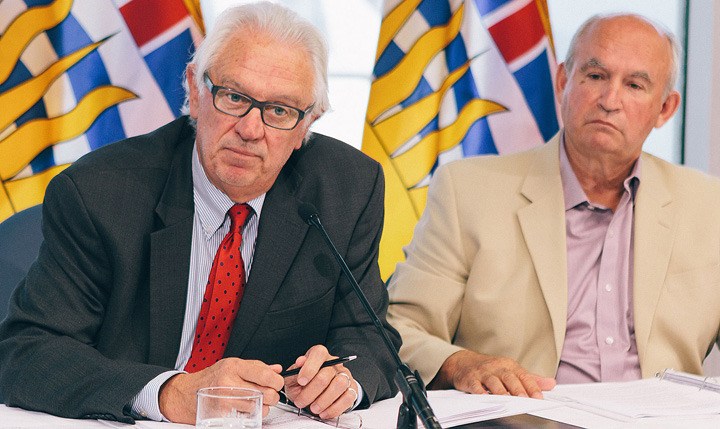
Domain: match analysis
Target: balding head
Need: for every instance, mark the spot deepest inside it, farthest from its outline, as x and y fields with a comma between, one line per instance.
x=624, y=19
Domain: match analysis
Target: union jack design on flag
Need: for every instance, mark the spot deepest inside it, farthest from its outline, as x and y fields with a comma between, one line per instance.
x=453, y=79
x=79, y=74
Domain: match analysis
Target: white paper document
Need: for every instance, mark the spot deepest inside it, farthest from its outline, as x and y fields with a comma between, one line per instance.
x=449, y=407
x=651, y=397
x=454, y=408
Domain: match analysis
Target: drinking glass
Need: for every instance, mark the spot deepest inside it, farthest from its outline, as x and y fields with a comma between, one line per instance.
x=229, y=408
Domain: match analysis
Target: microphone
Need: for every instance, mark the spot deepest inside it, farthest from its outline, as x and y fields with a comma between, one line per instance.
x=415, y=403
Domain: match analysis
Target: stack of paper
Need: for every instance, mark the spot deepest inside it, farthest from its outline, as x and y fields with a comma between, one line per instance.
x=453, y=408
x=636, y=399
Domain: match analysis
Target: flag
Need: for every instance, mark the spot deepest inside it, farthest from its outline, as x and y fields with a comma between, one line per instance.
x=79, y=74
x=454, y=79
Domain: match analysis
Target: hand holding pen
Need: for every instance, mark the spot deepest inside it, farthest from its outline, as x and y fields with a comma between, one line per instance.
x=331, y=362
x=322, y=384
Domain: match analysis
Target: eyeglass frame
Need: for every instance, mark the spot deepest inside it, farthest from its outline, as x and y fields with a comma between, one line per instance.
x=343, y=421
x=253, y=103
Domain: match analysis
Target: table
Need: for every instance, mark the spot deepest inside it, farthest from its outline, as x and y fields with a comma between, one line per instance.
x=557, y=417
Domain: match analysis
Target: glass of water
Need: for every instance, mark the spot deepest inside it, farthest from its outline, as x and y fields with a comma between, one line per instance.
x=229, y=408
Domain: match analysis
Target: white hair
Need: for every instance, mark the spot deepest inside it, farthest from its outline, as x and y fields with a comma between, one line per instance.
x=278, y=23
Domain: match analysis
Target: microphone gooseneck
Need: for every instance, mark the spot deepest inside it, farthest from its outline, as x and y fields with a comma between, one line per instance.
x=415, y=403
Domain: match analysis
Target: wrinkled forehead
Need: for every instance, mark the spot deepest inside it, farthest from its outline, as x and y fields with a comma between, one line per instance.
x=266, y=64
x=627, y=31
x=630, y=40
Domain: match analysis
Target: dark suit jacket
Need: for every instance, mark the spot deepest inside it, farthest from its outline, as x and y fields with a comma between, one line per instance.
x=101, y=311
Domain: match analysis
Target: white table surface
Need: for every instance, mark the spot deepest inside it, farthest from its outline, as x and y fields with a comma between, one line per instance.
x=11, y=417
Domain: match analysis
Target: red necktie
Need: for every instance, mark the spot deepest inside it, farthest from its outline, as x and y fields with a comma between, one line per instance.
x=222, y=297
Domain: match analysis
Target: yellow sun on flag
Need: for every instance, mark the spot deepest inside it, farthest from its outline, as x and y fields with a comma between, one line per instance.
x=391, y=131
x=19, y=145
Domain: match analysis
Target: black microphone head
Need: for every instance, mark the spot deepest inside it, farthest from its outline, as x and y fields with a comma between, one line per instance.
x=307, y=211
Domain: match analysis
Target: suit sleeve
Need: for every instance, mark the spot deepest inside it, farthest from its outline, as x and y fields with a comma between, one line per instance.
x=351, y=330
x=48, y=359
x=426, y=291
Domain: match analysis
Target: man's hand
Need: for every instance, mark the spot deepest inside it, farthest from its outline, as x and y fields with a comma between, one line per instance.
x=328, y=391
x=477, y=373
x=178, y=400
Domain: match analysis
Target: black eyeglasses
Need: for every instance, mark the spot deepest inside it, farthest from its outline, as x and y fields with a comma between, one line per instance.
x=237, y=104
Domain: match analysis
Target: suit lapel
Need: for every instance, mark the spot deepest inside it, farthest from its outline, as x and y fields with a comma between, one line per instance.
x=170, y=247
x=280, y=235
x=543, y=226
x=653, y=237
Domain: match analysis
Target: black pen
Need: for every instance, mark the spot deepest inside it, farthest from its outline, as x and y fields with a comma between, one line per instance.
x=330, y=362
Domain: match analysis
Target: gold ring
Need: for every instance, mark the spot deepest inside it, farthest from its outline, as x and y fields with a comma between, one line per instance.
x=348, y=380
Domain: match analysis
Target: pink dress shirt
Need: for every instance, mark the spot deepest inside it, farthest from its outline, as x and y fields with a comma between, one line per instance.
x=600, y=335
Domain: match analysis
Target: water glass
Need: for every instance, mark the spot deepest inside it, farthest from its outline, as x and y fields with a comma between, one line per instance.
x=229, y=408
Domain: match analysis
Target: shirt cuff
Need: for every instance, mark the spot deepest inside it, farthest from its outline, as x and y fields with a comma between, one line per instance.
x=146, y=403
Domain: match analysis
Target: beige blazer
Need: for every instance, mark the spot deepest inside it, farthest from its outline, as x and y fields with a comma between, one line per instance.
x=487, y=268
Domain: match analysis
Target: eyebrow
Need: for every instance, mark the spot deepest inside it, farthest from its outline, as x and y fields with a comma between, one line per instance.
x=285, y=100
x=596, y=63
x=642, y=75
x=592, y=63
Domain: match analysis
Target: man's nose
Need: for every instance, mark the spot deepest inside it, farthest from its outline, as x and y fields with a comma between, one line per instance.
x=610, y=98
x=251, y=126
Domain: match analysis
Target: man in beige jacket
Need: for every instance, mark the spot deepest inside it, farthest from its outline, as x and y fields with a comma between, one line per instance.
x=583, y=260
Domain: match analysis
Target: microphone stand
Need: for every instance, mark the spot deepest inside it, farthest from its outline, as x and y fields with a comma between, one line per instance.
x=415, y=403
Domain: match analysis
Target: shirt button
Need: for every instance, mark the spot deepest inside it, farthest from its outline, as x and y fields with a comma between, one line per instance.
x=609, y=340
x=611, y=234
x=608, y=287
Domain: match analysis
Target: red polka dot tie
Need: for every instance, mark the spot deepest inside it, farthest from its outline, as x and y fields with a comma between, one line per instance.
x=222, y=297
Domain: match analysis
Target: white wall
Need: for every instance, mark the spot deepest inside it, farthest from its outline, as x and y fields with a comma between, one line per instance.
x=702, y=119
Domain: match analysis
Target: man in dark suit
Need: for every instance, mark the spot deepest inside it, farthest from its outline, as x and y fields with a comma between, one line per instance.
x=113, y=318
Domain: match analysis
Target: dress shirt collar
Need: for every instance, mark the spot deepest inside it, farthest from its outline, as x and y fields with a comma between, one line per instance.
x=573, y=192
x=212, y=204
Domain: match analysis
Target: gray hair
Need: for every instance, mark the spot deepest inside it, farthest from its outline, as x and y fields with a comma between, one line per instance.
x=275, y=21
x=662, y=29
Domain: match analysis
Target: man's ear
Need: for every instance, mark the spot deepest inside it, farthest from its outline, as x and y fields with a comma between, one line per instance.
x=194, y=95
x=669, y=107
x=560, y=81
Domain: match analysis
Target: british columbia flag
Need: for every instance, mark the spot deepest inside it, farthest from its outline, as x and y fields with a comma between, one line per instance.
x=453, y=79
x=79, y=74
